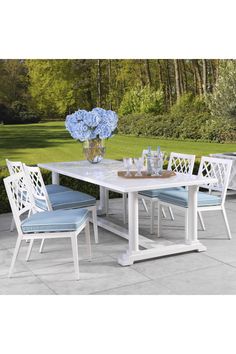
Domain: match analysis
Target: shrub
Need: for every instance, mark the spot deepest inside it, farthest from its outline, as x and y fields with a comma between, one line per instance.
x=142, y=100
x=218, y=129
x=189, y=103
x=18, y=113
x=6, y=113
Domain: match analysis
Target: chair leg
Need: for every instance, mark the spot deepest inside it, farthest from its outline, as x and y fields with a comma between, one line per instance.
x=95, y=224
x=106, y=202
x=88, y=241
x=163, y=213
x=226, y=223
x=145, y=206
x=124, y=200
x=186, y=225
x=201, y=221
x=152, y=211
x=29, y=250
x=12, y=225
x=171, y=213
x=74, y=244
x=15, y=254
x=41, y=246
x=159, y=219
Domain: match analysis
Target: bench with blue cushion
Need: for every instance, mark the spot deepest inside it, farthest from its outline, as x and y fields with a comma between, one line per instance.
x=180, y=198
x=55, y=221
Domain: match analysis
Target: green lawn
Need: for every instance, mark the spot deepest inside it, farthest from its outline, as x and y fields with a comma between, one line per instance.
x=50, y=141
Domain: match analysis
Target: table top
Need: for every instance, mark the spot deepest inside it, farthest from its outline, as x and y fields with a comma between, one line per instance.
x=105, y=174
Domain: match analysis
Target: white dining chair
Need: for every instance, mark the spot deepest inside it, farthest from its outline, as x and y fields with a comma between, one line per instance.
x=17, y=166
x=209, y=167
x=58, y=201
x=181, y=163
x=43, y=225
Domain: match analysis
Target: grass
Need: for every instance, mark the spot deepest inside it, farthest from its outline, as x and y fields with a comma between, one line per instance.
x=48, y=142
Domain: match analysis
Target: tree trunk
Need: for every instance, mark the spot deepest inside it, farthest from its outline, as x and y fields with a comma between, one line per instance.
x=204, y=72
x=181, y=80
x=148, y=73
x=168, y=83
x=142, y=74
x=177, y=80
x=198, y=75
x=99, y=99
x=109, y=83
x=185, y=80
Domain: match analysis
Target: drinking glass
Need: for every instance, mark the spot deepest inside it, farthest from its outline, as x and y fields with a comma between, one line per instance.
x=160, y=162
x=139, y=165
x=154, y=165
x=128, y=162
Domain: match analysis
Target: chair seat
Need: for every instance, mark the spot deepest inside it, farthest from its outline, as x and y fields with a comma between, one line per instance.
x=154, y=193
x=180, y=198
x=67, y=200
x=54, y=221
x=56, y=188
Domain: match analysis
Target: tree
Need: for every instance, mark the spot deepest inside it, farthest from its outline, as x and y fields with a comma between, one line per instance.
x=177, y=79
x=14, y=81
x=222, y=102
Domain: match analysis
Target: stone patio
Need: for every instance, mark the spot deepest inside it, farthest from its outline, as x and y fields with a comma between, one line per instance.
x=210, y=272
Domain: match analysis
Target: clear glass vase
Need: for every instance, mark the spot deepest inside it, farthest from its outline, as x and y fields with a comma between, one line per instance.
x=94, y=150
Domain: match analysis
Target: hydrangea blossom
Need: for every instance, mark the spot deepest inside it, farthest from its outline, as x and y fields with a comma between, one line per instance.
x=98, y=123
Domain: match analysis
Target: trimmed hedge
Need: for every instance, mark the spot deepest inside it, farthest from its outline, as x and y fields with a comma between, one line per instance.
x=200, y=126
x=73, y=183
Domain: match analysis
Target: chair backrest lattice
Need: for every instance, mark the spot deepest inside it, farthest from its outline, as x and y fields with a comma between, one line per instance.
x=18, y=196
x=182, y=163
x=37, y=187
x=216, y=168
x=14, y=166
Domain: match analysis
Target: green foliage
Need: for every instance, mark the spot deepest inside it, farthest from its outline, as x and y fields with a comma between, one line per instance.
x=199, y=126
x=142, y=100
x=51, y=87
x=188, y=103
x=218, y=129
x=222, y=102
x=18, y=113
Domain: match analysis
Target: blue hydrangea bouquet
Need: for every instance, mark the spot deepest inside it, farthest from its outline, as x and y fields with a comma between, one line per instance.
x=92, y=127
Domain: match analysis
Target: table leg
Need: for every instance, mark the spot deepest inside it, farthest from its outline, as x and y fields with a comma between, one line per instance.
x=101, y=210
x=192, y=218
x=55, y=178
x=133, y=225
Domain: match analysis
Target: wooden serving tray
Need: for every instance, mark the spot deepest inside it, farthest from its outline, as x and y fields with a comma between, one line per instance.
x=165, y=174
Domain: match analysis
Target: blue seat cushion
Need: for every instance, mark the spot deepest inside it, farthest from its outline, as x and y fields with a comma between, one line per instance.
x=67, y=200
x=56, y=188
x=55, y=221
x=154, y=193
x=180, y=198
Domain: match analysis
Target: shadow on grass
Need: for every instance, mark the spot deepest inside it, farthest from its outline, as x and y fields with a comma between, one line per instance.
x=28, y=136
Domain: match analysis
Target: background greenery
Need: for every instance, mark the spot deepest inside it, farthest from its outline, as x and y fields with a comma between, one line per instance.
x=182, y=105
x=172, y=98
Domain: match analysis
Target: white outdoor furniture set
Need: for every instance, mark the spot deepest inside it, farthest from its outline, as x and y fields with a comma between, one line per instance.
x=105, y=175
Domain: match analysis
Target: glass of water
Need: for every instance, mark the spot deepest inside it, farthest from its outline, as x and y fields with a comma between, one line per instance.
x=128, y=162
x=139, y=165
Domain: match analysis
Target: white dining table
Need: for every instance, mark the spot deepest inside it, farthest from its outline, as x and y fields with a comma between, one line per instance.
x=104, y=174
